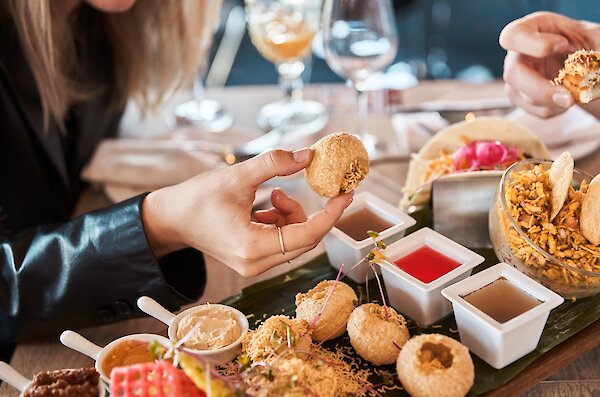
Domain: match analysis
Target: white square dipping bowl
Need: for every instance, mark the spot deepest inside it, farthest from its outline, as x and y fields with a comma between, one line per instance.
x=423, y=302
x=499, y=344
x=343, y=249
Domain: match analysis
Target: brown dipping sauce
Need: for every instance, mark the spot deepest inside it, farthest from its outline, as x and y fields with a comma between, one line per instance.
x=502, y=300
x=127, y=352
x=64, y=383
x=357, y=224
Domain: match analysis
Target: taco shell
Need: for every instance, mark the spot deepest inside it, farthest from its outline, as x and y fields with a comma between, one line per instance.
x=457, y=135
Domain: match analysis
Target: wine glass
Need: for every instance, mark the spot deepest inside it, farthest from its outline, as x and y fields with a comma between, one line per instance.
x=208, y=114
x=282, y=31
x=360, y=38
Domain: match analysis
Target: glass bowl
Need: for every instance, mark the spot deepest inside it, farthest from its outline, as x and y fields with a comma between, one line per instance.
x=513, y=245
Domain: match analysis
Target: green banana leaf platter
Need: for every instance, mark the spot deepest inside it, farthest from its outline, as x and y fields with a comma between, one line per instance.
x=277, y=296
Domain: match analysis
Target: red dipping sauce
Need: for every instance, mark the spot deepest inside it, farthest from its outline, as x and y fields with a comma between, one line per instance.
x=426, y=264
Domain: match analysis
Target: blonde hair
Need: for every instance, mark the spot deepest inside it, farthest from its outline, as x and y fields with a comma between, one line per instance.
x=157, y=47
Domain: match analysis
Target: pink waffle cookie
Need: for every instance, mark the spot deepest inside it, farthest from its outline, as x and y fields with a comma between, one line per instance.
x=160, y=379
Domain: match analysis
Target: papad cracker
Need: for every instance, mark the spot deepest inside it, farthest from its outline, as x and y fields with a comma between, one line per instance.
x=560, y=177
x=589, y=218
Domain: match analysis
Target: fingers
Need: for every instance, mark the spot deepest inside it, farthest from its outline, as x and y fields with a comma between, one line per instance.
x=312, y=231
x=286, y=210
x=263, y=240
x=290, y=208
x=265, y=166
x=266, y=263
x=520, y=75
x=525, y=38
x=529, y=106
x=271, y=216
x=262, y=248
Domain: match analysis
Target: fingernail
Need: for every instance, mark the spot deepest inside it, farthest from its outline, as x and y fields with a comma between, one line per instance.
x=561, y=47
x=301, y=155
x=562, y=99
x=349, y=200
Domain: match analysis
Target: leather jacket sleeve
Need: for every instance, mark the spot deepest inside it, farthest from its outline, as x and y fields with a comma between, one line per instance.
x=88, y=271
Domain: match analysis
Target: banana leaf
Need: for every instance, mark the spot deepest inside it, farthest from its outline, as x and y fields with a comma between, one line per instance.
x=277, y=296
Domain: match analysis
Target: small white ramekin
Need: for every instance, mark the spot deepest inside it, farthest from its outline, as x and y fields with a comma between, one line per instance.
x=499, y=344
x=423, y=302
x=343, y=249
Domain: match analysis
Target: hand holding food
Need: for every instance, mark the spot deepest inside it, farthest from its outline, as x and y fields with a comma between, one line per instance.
x=212, y=213
x=537, y=45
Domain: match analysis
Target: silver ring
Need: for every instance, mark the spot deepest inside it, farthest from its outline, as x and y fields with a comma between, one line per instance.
x=281, y=241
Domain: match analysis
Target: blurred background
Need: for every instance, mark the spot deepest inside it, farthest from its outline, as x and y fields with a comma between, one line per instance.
x=438, y=39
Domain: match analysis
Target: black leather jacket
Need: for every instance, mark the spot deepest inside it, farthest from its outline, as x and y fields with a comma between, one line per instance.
x=57, y=273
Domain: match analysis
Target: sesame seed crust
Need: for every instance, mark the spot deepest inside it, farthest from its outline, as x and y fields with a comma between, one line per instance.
x=580, y=74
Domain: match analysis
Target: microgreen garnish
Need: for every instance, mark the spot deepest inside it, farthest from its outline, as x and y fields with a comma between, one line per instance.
x=372, y=234
x=157, y=350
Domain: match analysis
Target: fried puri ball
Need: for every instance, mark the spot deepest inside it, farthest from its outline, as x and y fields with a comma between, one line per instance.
x=435, y=365
x=273, y=337
x=377, y=333
x=329, y=322
x=339, y=163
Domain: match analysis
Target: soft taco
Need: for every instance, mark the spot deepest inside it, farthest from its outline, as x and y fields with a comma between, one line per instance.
x=483, y=144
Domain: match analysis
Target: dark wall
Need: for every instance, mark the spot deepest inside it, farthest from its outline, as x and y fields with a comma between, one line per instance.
x=439, y=38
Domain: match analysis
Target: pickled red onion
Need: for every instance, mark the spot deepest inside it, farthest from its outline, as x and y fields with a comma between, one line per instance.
x=483, y=154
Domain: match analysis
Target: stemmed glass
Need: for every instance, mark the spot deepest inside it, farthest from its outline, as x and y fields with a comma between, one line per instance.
x=360, y=38
x=207, y=114
x=282, y=31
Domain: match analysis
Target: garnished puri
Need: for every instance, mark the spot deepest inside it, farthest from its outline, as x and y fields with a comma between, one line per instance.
x=432, y=365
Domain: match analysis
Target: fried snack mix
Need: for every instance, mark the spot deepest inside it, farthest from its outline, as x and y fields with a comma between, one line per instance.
x=528, y=196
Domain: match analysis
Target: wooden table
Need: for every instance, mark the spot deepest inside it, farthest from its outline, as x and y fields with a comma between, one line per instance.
x=569, y=369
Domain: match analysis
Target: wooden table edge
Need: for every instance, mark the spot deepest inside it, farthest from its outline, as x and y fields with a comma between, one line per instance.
x=549, y=363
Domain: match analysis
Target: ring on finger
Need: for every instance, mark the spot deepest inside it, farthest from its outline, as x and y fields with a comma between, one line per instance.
x=281, y=245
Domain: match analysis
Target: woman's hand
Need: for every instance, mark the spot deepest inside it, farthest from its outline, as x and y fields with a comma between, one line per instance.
x=212, y=213
x=537, y=46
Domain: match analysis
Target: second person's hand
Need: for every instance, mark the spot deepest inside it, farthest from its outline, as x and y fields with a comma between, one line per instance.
x=537, y=46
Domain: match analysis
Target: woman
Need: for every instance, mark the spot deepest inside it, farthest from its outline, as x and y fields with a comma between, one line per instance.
x=67, y=68
x=537, y=46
